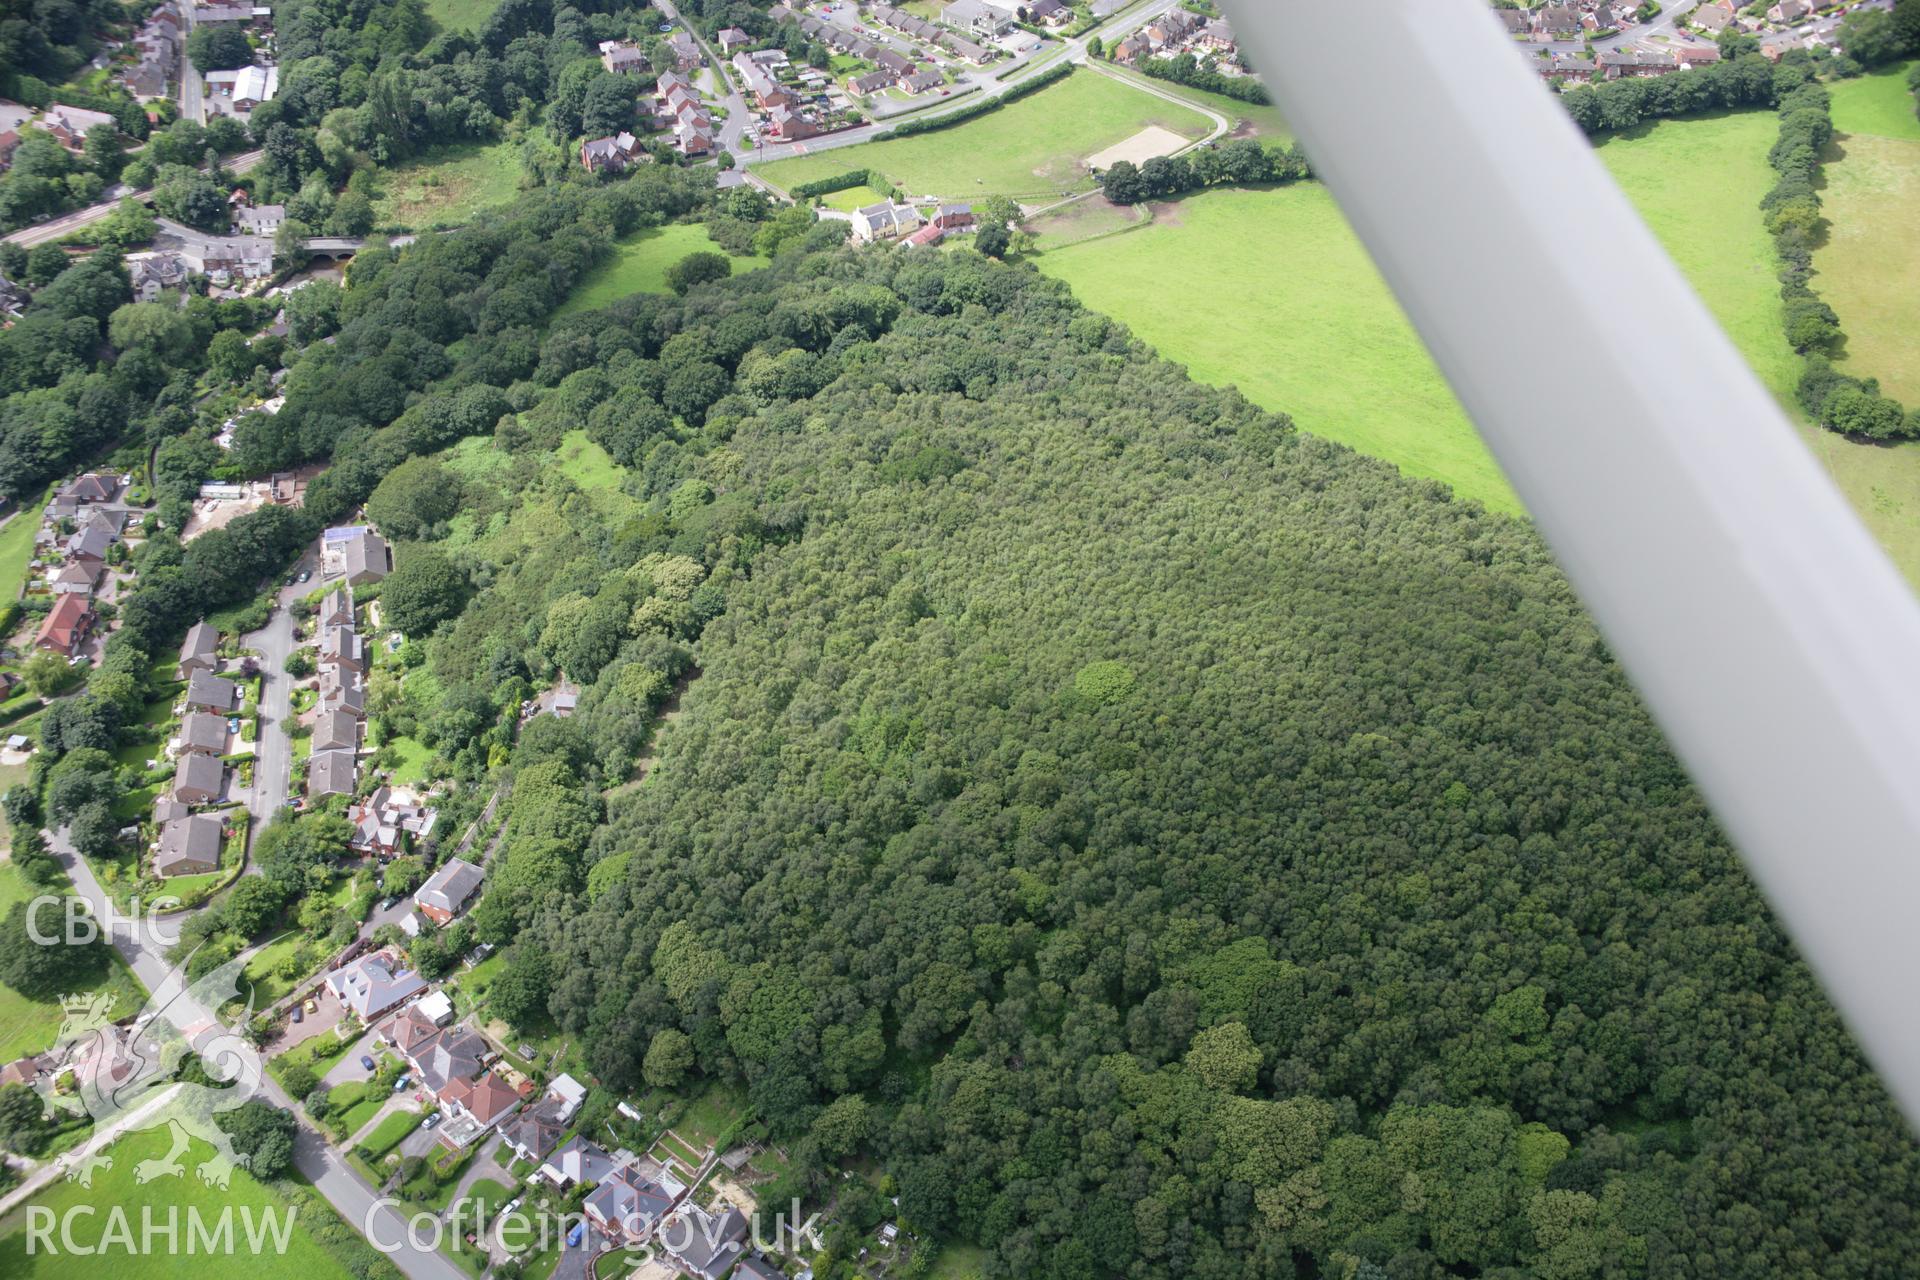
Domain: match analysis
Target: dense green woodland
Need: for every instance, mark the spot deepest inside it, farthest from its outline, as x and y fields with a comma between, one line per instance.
x=1165, y=843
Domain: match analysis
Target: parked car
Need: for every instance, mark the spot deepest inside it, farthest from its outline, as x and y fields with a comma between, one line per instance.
x=430, y=1121
x=305, y=574
x=299, y=1014
x=366, y=1062
x=510, y=1206
x=313, y=1006
x=387, y=904
x=400, y=1085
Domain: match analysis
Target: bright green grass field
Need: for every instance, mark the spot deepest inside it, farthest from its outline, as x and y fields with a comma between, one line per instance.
x=448, y=185
x=1870, y=265
x=586, y=463
x=461, y=15
x=116, y=1187
x=640, y=265
x=1034, y=147
x=16, y=550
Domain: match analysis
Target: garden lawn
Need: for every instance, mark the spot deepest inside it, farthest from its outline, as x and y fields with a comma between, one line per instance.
x=461, y=15
x=29, y=1026
x=389, y=1133
x=1034, y=147
x=852, y=198
x=448, y=185
x=116, y=1187
x=640, y=263
x=1879, y=103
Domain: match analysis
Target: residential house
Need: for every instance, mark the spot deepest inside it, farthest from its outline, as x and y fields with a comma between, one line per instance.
x=343, y=647
x=92, y=486
x=243, y=90
x=978, y=55
x=791, y=126
x=70, y=125
x=330, y=773
x=898, y=63
x=1564, y=68
x=387, y=821
x=222, y=15
x=765, y=91
x=336, y=730
x=977, y=18
x=447, y=890
x=259, y=219
x=375, y=983
x=106, y=520
x=1217, y=36
x=705, y=1244
x=922, y=81
x=905, y=23
x=208, y=692
x=1697, y=55
x=154, y=273
x=454, y=1056
x=336, y=609
x=1052, y=13
x=686, y=51
x=67, y=625
x=1558, y=22
x=694, y=138
x=1712, y=18
x=577, y=1163
x=20, y=1071
x=1636, y=63
x=89, y=545
x=884, y=221
x=343, y=687
x=1518, y=22
x=626, y=1206
x=953, y=217
x=75, y=577
x=872, y=82
x=1132, y=49
x=224, y=259
x=1790, y=11
x=732, y=38
x=925, y=236
x=199, y=779
x=623, y=58
x=1172, y=27
x=535, y=1132
x=166, y=809
x=568, y=1092
x=367, y=557
x=190, y=846
x=200, y=651
x=202, y=734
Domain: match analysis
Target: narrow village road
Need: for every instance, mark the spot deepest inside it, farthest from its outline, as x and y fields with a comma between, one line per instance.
x=54, y=228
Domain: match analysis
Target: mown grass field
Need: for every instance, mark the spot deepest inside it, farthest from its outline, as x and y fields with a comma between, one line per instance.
x=16, y=549
x=1870, y=265
x=1035, y=147
x=461, y=15
x=640, y=265
x=448, y=185
x=116, y=1188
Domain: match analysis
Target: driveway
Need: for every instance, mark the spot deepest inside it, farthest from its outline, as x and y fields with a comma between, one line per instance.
x=273, y=763
x=349, y=1068
x=328, y=1013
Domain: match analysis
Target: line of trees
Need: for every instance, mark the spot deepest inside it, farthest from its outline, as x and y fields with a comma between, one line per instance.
x=1242, y=162
x=1188, y=70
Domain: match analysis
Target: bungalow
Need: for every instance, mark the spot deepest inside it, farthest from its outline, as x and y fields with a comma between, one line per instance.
x=199, y=779
x=208, y=692
x=626, y=1205
x=623, y=58
x=90, y=545
x=536, y=1131
x=110, y=522
x=732, y=38
x=978, y=55
x=374, y=983
x=366, y=555
x=202, y=734
x=189, y=846
x=76, y=577
x=703, y=1243
x=578, y=1163
x=200, y=651
x=898, y=63
x=67, y=625
x=922, y=81
x=872, y=82
x=484, y=1101
x=447, y=890
x=885, y=221
x=336, y=730
x=330, y=773
x=1697, y=55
